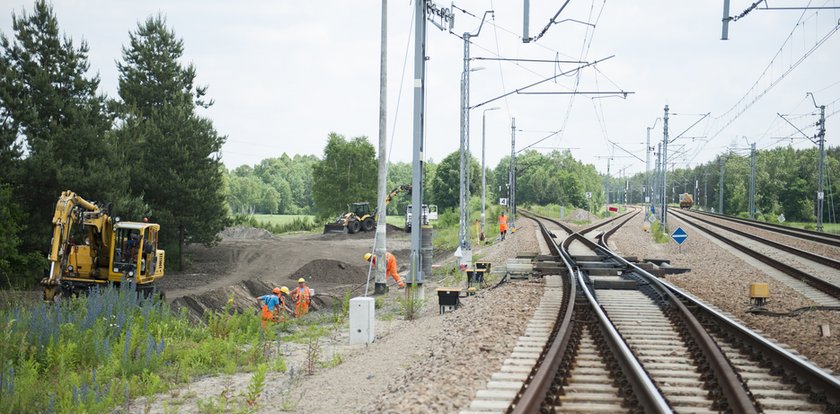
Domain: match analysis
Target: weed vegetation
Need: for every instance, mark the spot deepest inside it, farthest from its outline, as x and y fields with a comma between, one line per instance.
x=98, y=352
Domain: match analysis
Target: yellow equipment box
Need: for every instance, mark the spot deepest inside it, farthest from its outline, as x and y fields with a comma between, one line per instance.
x=759, y=290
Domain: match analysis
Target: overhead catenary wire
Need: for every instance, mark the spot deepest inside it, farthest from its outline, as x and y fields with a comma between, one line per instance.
x=737, y=109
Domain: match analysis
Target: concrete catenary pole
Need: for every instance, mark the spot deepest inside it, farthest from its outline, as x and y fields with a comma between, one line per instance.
x=820, y=193
x=512, y=179
x=416, y=272
x=665, y=167
x=526, y=19
x=752, y=181
x=483, y=170
x=463, y=174
x=380, y=246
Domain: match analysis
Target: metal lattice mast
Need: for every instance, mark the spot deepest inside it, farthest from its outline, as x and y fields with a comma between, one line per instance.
x=820, y=193
x=720, y=190
x=664, y=168
x=512, y=183
x=463, y=175
x=752, y=181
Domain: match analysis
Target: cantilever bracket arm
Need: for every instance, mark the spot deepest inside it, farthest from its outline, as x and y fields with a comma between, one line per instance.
x=796, y=127
x=519, y=90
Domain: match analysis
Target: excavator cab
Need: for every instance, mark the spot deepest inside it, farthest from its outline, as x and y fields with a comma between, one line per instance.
x=135, y=256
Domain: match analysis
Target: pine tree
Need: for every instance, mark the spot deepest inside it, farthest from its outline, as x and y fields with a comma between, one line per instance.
x=179, y=172
x=50, y=104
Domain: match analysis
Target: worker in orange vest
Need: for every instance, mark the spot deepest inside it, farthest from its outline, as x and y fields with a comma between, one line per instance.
x=302, y=296
x=272, y=306
x=391, y=269
x=502, y=225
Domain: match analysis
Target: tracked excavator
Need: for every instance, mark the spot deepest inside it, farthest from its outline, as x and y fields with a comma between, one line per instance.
x=89, y=248
x=359, y=216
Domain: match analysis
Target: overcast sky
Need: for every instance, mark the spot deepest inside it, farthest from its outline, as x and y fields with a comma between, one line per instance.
x=284, y=74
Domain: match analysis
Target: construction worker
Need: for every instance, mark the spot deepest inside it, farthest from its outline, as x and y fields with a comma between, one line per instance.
x=302, y=296
x=272, y=305
x=502, y=225
x=391, y=267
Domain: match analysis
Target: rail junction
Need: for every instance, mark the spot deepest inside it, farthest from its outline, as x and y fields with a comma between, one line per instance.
x=610, y=337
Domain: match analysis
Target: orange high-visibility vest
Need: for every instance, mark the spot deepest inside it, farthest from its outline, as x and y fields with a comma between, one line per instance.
x=502, y=223
x=302, y=294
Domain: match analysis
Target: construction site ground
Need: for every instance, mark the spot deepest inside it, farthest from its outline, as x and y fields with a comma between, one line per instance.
x=348, y=378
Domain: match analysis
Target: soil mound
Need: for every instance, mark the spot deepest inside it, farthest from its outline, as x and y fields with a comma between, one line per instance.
x=240, y=297
x=244, y=233
x=330, y=271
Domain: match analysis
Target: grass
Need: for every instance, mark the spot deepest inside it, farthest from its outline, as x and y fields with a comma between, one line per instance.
x=96, y=353
x=280, y=219
x=447, y=226
x=279, y=224
x=660, y=233
x=827, y=227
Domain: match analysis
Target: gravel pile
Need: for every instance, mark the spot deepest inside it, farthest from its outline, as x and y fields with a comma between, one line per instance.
x=722, y=279
x=807, y=245
x=470, y=346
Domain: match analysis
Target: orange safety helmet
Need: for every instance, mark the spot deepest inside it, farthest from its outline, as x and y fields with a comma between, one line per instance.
x=277, y=291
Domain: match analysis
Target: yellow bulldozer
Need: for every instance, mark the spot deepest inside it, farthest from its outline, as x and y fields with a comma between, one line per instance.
x=89, y=249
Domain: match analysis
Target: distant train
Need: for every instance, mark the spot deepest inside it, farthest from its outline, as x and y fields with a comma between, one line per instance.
x=686, y=200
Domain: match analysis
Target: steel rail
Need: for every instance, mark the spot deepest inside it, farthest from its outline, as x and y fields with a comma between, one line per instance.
x=739, y=400
x=781, y=246
x=819, y=284
x=530, y=397
x=604, y=237
x=825, y=238
x=650, y=398
x=601, y=224
x=817, y=379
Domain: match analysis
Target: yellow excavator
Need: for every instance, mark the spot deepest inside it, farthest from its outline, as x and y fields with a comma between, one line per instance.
x=359, y=216
x=89, y=249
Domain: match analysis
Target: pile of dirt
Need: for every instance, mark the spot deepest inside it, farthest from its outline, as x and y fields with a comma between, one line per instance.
x=244, y=233
x=330, y=271
x=240, y=297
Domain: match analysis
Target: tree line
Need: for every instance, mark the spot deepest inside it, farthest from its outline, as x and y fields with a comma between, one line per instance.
x=148, y=151
x=785, y=183
x=347, y=173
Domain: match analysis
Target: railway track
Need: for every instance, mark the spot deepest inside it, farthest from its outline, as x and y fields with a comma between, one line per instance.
x=824, y=238
x=815, y=277
x=623, y=341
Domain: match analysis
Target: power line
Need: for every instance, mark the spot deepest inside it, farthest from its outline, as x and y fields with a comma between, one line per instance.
x=776, y=80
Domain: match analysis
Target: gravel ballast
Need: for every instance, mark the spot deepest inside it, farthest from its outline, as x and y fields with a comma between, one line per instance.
x=470, y=346
x=802, y=244
x=722, y=278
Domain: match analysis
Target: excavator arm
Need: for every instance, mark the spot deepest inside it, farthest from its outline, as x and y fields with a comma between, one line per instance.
x=405, y=188
x=69, y=211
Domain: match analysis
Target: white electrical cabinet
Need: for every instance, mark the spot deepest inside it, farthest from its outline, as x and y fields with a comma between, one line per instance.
x=362, y=320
